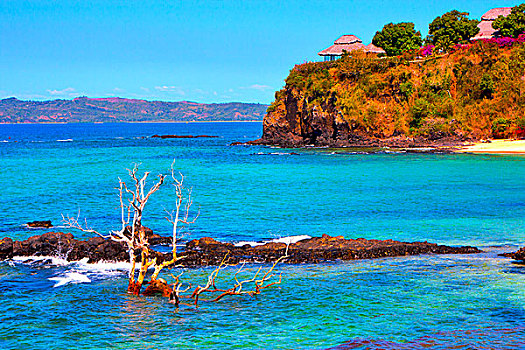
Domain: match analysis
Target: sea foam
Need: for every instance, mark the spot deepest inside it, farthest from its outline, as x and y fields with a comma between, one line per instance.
x=69, y=277
x=285, y=240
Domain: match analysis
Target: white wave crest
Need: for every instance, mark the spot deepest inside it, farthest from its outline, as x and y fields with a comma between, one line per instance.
x=285, y=240
x=70, y=277
x=65, y=140
x=52, y=260
x=103, y=267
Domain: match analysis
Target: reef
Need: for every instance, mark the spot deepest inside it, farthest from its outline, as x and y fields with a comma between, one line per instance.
x=210, y=252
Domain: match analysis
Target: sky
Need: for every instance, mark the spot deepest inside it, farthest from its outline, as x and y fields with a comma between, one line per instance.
x=203, y=51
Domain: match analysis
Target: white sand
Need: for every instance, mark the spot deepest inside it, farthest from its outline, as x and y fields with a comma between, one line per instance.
x=496, y=147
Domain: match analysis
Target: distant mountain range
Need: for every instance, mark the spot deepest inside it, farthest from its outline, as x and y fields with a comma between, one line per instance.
x=115, y=109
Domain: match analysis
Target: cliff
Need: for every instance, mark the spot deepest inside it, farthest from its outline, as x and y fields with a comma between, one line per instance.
x=115, y=109
x=476, y=92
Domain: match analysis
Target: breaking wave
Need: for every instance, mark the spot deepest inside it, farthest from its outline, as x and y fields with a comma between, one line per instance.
x=285, y=240
x=70, y=277
x=73, y=272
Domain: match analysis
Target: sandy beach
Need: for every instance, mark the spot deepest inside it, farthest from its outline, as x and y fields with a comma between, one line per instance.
x=495, y=147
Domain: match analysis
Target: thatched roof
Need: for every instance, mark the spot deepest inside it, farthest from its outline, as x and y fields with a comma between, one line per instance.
x=491, y=15
x=486, y=31
x=348, y=39
x=337, y=49
x=349, y=43
x=374, y=49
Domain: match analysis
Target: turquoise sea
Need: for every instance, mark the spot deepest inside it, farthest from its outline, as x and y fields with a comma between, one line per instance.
x=255, y=194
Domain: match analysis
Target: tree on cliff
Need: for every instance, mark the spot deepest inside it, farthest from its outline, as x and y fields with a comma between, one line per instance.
x=452, y=28
x=398, y=38
x=513, y=25
x=133, y=199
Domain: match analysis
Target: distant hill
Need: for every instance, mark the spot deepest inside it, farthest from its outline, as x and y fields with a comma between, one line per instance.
x=114, y=109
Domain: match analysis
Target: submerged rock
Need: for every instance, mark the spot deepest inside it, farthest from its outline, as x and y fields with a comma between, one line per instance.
x=208, y=251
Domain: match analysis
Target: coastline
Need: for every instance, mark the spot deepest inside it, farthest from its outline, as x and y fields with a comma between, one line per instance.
x=494, y=147
x=142, y=122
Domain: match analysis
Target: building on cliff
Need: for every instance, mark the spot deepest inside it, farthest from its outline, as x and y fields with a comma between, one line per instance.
x=486, y=31
x=348, y=43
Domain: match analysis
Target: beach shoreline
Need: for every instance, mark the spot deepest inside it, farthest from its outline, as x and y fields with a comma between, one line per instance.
x=504, y=146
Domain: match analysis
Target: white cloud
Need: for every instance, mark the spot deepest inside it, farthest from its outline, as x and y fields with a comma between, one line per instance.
x=68, y=92
x=172, y=89
x=258, y=87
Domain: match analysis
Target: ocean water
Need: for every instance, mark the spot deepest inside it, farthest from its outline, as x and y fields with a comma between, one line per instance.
x=256, y=194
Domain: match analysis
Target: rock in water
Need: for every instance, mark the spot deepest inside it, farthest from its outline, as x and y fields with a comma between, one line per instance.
x=208, y=251
x=40, y=224
x=519, y=255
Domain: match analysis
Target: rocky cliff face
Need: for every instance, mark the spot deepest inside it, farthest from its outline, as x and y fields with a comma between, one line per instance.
x=473, y=93
x=298, y=123
x=295, y=123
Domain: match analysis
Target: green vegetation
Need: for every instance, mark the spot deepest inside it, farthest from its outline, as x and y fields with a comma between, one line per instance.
x=513, y=25
x=452, y=28
x=476, y=91
x=397, y=38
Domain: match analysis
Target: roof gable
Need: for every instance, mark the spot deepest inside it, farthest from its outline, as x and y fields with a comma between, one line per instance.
x=491, y=15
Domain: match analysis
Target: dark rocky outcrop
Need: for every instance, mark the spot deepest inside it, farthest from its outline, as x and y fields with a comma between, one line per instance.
x=64, y=245
x=519, y=255
x=208, y=251
x=6, y=248
x=40, y=224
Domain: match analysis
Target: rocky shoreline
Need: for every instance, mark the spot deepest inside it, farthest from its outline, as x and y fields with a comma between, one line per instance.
x=401, y=144
x=209, y=252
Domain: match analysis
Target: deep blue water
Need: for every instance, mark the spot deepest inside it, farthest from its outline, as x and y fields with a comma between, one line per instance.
x=260, y=193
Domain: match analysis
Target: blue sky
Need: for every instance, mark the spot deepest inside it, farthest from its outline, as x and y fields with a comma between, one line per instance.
x=203, y=51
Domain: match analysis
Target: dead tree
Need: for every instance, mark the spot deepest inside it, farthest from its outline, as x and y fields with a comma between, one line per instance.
x=258, y=282
x=132, y=201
